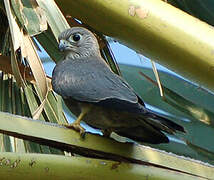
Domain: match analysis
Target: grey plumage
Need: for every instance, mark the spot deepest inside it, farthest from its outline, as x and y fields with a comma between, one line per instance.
x=83, y=79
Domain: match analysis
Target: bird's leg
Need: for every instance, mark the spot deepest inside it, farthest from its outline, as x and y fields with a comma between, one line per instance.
x=106, y=132
x=76, y=124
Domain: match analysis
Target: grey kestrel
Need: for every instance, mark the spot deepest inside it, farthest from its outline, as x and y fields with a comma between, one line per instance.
x=101, y=98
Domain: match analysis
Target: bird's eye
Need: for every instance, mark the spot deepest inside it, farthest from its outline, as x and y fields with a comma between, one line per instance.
x=76, y=37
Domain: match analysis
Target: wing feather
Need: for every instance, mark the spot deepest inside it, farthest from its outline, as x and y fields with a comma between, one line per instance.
x=91, y=80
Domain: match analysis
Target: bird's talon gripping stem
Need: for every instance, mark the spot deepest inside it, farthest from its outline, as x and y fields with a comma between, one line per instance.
x=76, y=124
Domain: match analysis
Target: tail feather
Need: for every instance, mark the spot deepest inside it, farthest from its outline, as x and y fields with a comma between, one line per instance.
x=162, y=123
x=150, y=129
x=145, y=134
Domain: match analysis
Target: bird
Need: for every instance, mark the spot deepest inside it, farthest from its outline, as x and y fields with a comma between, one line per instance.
x=101, y=98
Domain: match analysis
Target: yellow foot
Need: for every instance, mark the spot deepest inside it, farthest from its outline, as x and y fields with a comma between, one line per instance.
x=76, y=127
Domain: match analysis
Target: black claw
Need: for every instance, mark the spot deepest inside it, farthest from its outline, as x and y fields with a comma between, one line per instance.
x=82, y=135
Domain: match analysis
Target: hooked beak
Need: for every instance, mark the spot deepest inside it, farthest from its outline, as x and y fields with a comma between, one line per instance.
x=63, y=45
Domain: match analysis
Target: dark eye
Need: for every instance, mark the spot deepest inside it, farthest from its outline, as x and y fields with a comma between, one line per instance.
x=76, y=37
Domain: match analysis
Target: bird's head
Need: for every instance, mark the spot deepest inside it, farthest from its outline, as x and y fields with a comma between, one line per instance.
x=78, y=42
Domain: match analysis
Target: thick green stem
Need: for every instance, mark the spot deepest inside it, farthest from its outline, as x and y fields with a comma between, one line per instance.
x=41, y=166
x=100, y=147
